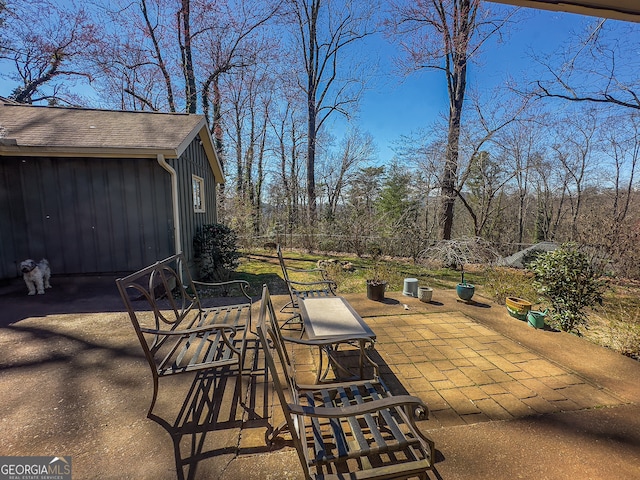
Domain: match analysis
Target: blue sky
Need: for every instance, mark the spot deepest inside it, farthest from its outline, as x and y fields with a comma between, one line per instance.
x=401, y=106
x=396, y=106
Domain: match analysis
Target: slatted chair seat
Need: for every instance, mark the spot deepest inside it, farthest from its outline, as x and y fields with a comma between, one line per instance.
x=177, y=334
x=356, y=430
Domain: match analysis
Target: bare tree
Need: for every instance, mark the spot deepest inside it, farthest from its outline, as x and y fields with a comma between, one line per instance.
x=325, y=31
x=250, y=97
x=169, y=56
x=617, y=218
x=482, y=174
x=287, y=128
x=521, y=145
x=623, y=142
x=575, y=152
x=445, y=35
x=49, y=45
x=355, y=150
x=601, y=67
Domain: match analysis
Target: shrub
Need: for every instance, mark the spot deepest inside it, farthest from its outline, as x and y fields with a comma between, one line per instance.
x=216, y=252
x=571, y=282
x=531, y=256
x=503, y=282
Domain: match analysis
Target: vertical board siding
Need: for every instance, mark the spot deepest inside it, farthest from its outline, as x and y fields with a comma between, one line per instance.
x=86, y=215
x=194, y=162
x=98, y=215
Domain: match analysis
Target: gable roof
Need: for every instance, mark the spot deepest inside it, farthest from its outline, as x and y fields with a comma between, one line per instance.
x=28, y=130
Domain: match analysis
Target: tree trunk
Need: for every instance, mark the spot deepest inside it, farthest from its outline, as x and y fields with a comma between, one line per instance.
x=312, y=111
x=450, y=173
x=456, y=46
x=191, y=95
x=311, y=162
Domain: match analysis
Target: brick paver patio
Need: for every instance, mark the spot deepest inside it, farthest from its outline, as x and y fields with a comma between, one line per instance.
x=467, y=373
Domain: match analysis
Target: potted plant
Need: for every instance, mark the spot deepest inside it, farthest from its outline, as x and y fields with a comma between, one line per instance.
x=465, y=290
x=375, y=289
x=456, y=253
x=376, y=286
x=518, y=307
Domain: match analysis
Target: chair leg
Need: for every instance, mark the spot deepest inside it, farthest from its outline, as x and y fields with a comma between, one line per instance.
x=287, y=305
x=155, y=395
x=243, y=356
x=270, y=436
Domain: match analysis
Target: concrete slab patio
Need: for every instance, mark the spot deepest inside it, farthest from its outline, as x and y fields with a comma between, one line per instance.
x=507, y=401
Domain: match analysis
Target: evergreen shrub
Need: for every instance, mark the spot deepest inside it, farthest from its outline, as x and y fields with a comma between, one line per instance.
x=216, y=252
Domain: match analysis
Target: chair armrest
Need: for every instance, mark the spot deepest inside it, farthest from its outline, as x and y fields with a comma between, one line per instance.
x=307, y=270
x=243, y=284
x=404, y=401
x=330, y=283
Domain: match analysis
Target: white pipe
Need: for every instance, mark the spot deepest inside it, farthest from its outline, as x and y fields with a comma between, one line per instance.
x=174, y=200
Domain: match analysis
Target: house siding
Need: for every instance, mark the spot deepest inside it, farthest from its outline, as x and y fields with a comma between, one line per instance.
x=86, y=215
x=194, y=161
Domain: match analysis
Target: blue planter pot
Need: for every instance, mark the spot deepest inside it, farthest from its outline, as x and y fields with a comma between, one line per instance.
x=465, y=291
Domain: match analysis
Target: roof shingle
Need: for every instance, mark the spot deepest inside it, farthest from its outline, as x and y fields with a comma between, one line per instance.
x=69, y=128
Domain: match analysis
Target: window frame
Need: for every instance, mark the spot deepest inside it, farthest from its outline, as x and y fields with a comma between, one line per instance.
x=198, y=196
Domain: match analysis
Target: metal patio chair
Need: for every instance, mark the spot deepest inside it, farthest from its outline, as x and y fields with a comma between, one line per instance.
x=177, y=334
x=322, y=287
x=345, y=430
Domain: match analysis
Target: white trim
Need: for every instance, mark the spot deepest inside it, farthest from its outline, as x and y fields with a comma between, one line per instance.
x=174, y=200
x=105, y=152
x=202, y=196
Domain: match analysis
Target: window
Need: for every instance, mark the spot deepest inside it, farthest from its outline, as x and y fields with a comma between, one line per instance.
x=198, y=194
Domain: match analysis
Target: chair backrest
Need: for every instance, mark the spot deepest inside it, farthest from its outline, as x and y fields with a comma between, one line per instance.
x=285, y=274
x=268, y=329
x=160, y=289
x=321, y=285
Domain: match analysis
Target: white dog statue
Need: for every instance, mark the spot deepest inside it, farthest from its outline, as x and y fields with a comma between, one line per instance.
x=36, y=275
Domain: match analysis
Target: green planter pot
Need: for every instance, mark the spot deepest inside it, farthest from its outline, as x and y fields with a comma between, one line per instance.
x=536, y=319
x=465, y=291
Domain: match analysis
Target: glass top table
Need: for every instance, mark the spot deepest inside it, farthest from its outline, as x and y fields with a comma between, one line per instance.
x=331, y=322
